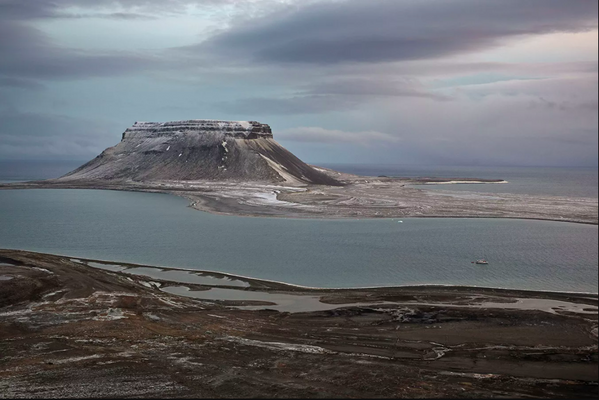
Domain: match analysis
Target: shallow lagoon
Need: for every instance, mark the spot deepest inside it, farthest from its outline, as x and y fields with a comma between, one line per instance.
x=159, y=229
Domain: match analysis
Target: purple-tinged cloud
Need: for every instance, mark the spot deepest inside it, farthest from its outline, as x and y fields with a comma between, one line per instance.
x=387, y=30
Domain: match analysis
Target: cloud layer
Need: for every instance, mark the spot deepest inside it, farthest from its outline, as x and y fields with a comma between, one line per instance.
x=429, y=81
x=386, y=30
x=320, y=135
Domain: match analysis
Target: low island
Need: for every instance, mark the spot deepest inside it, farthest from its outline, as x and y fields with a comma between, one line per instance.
x=237, y=168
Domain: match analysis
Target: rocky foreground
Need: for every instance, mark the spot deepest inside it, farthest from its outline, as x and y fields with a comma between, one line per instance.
x=70, y=330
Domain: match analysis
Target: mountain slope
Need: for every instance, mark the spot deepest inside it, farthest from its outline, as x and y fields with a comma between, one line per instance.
x=199, y=150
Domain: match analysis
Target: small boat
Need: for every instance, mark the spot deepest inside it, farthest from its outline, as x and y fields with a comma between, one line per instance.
x=481, y=261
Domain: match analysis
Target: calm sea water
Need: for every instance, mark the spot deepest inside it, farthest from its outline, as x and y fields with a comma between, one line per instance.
x=159, y=229
x=573, y=182
x=30, y=170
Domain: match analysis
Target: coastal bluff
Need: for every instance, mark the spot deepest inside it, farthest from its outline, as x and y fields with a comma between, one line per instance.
x=199, y=150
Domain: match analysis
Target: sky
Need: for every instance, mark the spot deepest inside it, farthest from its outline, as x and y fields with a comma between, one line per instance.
x=426, y=82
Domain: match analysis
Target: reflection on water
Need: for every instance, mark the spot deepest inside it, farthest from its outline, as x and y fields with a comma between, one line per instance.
x=304, y=303
x=282, y=302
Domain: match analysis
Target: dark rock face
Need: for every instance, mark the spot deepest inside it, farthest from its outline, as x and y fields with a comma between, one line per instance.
x=199, y=150
x=235, y=129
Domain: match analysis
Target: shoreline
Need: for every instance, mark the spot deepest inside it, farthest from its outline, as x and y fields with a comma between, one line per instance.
x=286, y=286
x=360, y=198
x=316, y=288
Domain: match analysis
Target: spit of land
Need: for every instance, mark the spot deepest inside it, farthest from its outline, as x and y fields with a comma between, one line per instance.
x=356, y=197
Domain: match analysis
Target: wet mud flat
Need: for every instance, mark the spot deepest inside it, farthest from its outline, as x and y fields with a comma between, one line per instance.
x=68, y=329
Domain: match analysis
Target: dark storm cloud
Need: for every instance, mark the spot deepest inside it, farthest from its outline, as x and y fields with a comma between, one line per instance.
x=19, y=10
x=36, y=9
x=125, y=16
x=28, y=54
x=21, y=83
x=389, y=30
x=380, y=86
x=328, y=96
x=334, y=136
x=35, y=134
x=22, y=10
x=317, y=104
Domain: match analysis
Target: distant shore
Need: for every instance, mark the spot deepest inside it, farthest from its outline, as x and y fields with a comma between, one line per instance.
x=359, y=197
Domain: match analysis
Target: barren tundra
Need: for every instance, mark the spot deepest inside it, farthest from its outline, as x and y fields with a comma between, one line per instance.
x=70, y=330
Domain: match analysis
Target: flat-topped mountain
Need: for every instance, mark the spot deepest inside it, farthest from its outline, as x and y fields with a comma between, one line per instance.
x=199, y=150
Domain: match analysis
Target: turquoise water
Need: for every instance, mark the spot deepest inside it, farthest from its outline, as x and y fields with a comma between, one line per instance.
x=159, y=229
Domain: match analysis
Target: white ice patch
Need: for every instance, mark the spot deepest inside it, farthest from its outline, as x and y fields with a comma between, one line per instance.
x=168, y=148
x=151, y=285
x=111, y=315
x=225, y=146
x=16, y=312
x=152, y=317
x=268, y=198
x=43, y=270
x=302, y=348
x=245, y=124
x=53, y=293
x=75, y=359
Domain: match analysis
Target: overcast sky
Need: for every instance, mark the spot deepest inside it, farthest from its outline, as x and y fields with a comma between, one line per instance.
x=445, y=82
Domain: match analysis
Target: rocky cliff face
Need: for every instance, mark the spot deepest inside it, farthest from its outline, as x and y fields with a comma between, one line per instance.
x=199, y=150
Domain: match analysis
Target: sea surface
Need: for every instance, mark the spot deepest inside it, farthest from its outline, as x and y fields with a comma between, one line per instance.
x=31, y=170
x=159, y=229
x=548, y=181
